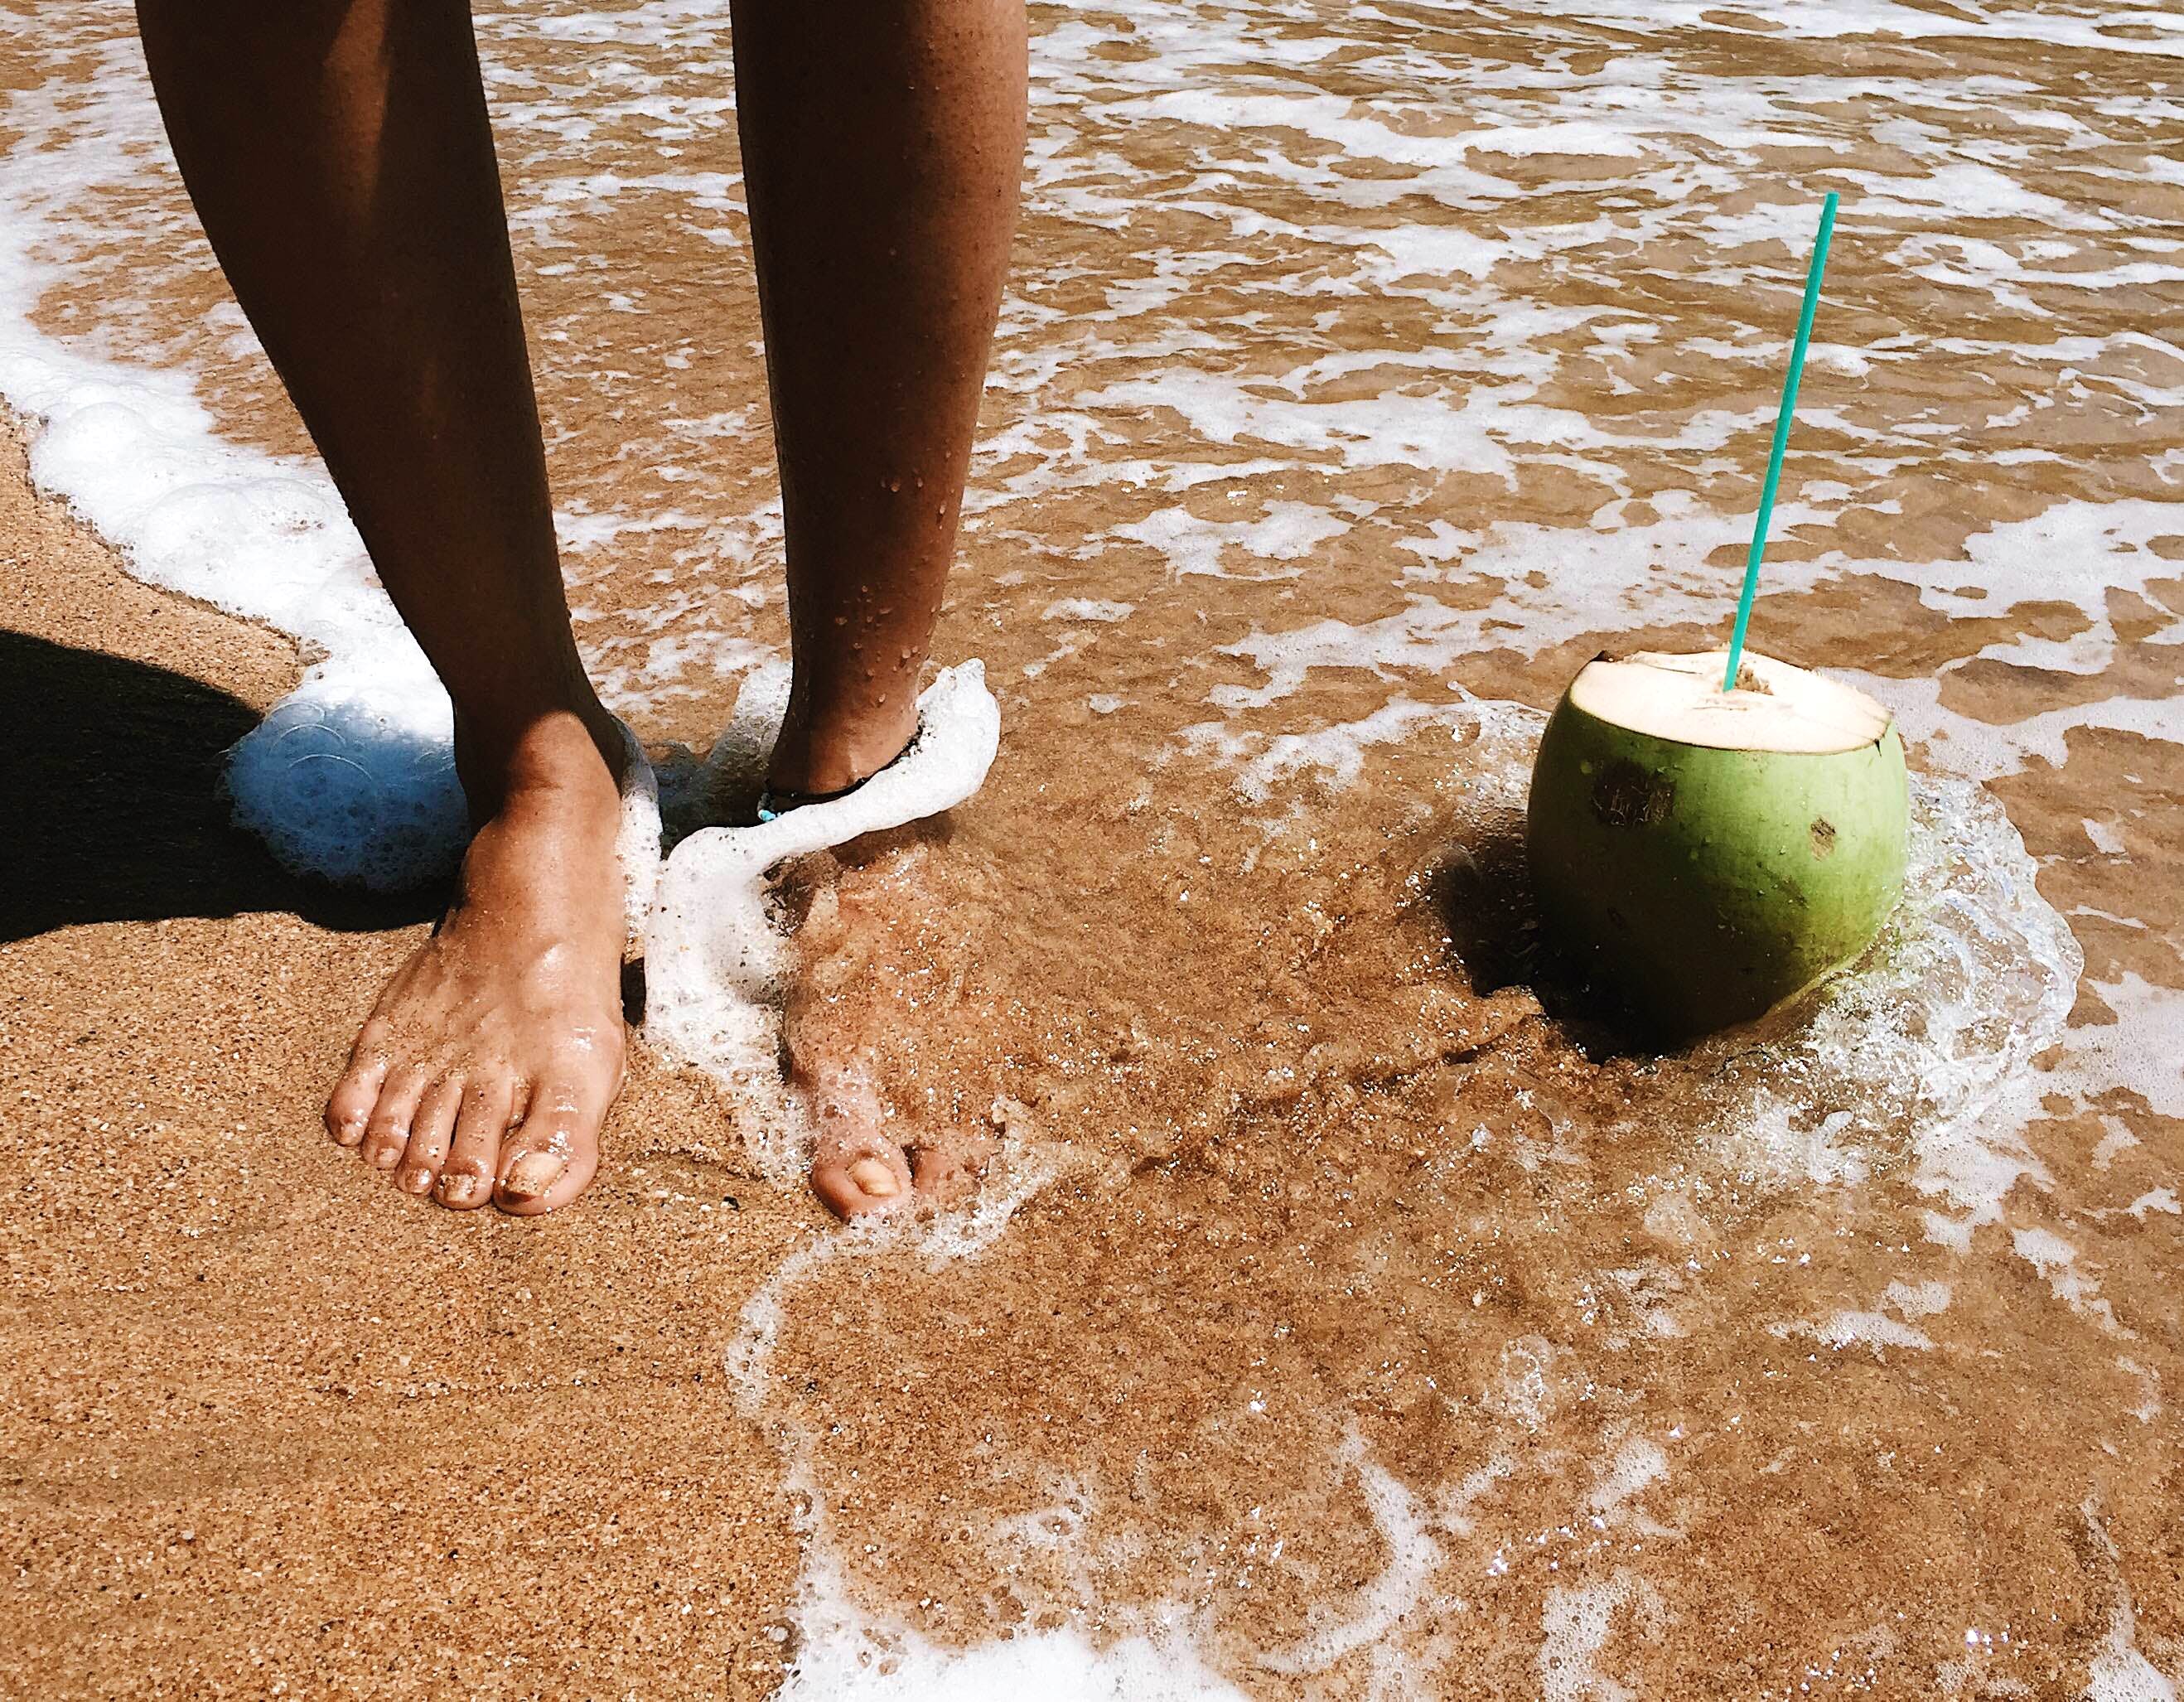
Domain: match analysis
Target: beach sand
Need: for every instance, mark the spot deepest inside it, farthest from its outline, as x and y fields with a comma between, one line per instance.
x=271, y=1429
x=262, y=1427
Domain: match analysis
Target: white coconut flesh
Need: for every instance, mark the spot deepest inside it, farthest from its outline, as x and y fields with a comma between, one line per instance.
x=1776, y=708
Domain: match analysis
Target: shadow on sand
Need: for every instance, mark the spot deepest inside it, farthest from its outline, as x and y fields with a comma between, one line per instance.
x=115, y=804
x=1482, y=891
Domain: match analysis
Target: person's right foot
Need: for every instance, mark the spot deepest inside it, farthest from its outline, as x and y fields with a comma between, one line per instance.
x=486, y=1069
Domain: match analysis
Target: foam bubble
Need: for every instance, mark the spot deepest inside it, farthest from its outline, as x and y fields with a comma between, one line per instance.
x=2057, y=1261
x=1576, y=1622
x=1926, y=1049
x=1875, y=1329
x=843, y=1656
x=1413, y=1557
x=2118, y=1672
x=340, y=787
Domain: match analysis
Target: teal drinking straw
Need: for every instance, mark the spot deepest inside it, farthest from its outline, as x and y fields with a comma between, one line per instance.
x=1781, y=439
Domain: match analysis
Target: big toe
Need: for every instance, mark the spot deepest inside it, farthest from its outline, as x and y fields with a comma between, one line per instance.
x=551, y=1156
x=857, y=1175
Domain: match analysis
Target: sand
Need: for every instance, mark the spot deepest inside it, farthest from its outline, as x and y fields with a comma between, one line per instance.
x=271, y=1429
x=264, y=1430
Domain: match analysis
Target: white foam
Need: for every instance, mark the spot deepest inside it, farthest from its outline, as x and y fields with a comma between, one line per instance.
x=1926, y=1050
x=337, y=787
x=1287, y=532
x=1875, y=1329
x=1638, y=1465
x=855, y=1664
x=1334, y=755
x=1086, y=609
x=1576, y=1622
x=2138, y=1051
x=2057, y=1261
x=1364, y=1620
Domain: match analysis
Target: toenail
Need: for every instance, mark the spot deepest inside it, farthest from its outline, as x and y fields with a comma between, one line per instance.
x=533, y=1174
x=349, y=1133
x=415, y=1181
x=461, y=1191
x=873, y=1177
x=388, y=1156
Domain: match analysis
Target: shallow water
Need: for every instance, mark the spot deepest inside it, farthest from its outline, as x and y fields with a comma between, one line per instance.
x=1345, y=1320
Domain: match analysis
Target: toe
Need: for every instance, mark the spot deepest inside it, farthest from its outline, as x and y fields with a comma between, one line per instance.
x=858, y=1175
x=474, y=1158
x=552, y=1155
x=348, y=1107
x=856, y=1170
x=386, y=1131
x=948, y=1168
x=431, y=1131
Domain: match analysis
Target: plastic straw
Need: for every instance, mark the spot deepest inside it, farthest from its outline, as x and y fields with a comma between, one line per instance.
x=1781, y=439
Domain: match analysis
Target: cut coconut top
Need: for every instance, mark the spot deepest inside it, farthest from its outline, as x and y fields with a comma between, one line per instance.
x=1775, y=707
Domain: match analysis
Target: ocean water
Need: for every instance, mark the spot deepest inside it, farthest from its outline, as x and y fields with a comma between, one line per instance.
x=1346, y=1317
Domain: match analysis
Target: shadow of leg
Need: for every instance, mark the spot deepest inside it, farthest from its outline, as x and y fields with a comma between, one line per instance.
x=113, y=774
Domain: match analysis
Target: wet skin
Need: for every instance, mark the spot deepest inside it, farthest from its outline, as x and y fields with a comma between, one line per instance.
x=485, y=1070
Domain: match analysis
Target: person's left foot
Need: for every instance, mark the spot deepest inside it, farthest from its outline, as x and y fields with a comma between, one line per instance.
x=855, y=1167
x=840, y=1020
x=858, y=1168
x=818, y=754
x=858, y=940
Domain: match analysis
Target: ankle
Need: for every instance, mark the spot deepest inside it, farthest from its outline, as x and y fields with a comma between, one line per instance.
x=820, y=751
x=835, y=739
x=568, y=753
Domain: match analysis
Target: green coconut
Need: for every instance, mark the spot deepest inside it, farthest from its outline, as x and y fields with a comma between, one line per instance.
x=1710, y=853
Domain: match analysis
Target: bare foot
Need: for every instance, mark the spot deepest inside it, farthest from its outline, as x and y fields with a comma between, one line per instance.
x=859, y=1168
x=857, y=938
x=488, y=1064
x=864, y=924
